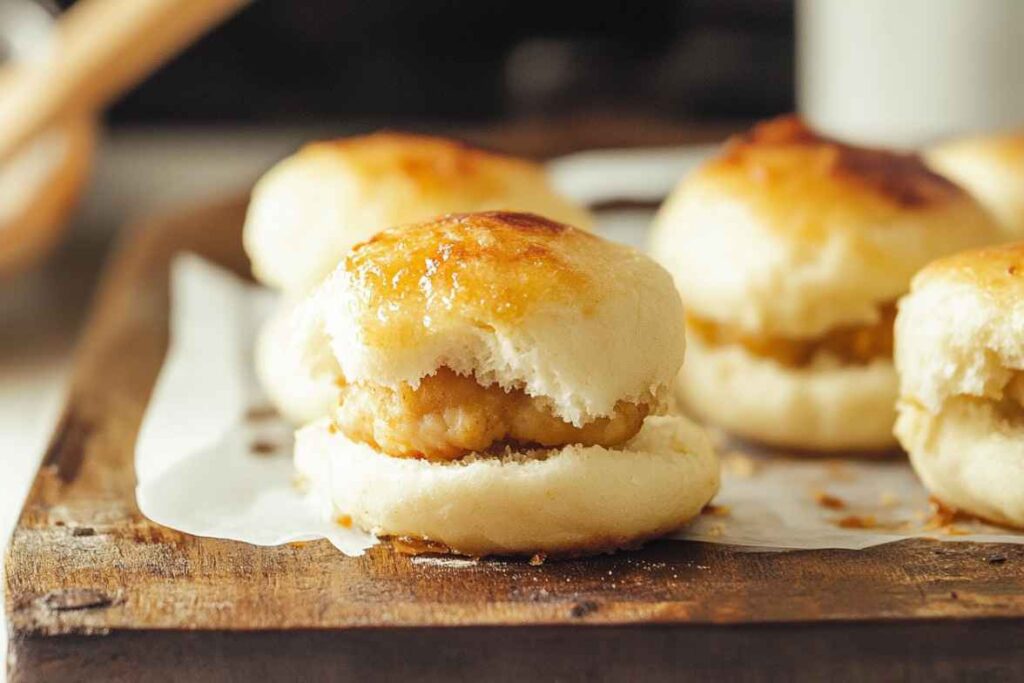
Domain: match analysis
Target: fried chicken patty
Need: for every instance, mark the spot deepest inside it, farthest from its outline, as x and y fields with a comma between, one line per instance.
x=850, y=344
x=449, y=415
x=1011, y=406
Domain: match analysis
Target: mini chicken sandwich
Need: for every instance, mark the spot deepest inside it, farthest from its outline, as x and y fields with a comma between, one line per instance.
x=310, y=209
x=789, y=251
x=960, y=357
x=501, y=382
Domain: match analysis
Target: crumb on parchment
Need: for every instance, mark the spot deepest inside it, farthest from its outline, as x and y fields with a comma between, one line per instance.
x=716, y=510
x=829, y=501
x=857, y=522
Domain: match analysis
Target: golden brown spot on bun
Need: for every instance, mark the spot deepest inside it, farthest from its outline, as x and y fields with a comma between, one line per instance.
x=997, y=271
x=786, y=156
x=433, y=165
x=491, y=267
x=526, y=221
x=850, y=344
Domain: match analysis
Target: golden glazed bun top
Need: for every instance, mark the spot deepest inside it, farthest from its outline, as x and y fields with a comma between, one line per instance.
x=992, y=168
x=997, y=271
x=960, y=332
x=787, y=232
x=311, y=208
x=782, y=162
x=511, y=298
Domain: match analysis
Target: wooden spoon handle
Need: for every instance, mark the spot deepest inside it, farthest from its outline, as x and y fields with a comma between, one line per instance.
x=100, y=49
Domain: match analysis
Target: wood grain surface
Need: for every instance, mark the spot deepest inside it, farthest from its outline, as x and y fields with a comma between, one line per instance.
x=94, y=589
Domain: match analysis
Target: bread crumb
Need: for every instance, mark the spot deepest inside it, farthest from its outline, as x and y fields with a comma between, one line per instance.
x=870, y=522
x=538, y=559
x=857, y=522
x=262, y=447
x=828, y=501
x=941, y=516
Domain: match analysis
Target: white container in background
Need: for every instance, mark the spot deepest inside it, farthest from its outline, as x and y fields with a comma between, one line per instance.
x=902, y=73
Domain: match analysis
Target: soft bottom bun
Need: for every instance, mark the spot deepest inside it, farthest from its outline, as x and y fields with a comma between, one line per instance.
x=822, y=408
x=573, y=501
x=968, y=456
x=297, y=394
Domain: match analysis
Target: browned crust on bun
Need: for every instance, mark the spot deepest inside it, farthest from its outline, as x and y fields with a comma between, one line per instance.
x=498, y=261
x=997, y=271
x=432, y=164
x=900, y=178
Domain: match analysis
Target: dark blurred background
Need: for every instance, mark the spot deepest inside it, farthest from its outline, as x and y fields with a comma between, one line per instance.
x=459, y=61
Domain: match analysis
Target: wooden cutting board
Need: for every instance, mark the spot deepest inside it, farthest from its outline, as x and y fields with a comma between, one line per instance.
x=94, y=591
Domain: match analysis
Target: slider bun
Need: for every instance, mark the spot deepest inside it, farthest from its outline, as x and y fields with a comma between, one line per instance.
x=959, y=344
x=298, y=391
x=789, y=233
x=991, y=168
x=968, y=457
x=311, y=208
x=511, y=298
x=38, y=189
x=571, y=501
x=960, y=332
x=822, y=407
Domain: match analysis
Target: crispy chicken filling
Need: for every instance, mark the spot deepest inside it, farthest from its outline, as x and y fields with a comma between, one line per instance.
x=1011, y=407
x=1015, y=389
x=850, y=344
x=449, y=415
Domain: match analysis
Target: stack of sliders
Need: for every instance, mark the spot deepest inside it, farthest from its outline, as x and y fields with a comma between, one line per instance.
x=501, y=378
x=790, y=251
x=310, y=209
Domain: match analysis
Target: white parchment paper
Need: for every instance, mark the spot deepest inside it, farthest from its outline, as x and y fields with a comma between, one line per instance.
x=212, y=460
x=774, y=501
